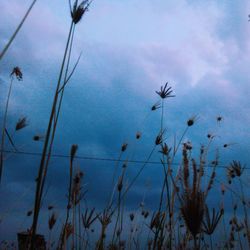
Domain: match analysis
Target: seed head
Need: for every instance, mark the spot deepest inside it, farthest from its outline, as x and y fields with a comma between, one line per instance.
x=156, y=106
x=191, y=121
x=17, y=73
x=88, y=218
x=219, y=118
x=124, y=147
x=38, y=137
x=192, y=211
x=22, y=123
x=78, y=11
x=165, y=92
x=29, y=213
x=165, y=150
x=235, y=169
x=138, y=135
x=209, y=222
x=146, y=214
x=188, y=145
x=52, y=221
x=159, y=138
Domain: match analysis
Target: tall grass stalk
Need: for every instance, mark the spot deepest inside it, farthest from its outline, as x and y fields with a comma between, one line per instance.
x=4, y=127
x=45, y=154
x=17, y=30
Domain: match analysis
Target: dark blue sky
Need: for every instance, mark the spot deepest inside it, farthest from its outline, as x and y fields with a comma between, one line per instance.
x=129, y=50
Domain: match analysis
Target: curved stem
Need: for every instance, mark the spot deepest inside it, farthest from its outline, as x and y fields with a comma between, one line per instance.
x=17, y=30
x=3, y=129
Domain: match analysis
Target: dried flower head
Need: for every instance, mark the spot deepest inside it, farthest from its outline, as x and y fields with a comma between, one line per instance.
x=219, y=118
x=138, y=135
x=191, y=121
x=156, y=106
x=124, y=147
x=188, y=145
x=78, y=11
x=234, y=169
x=165, y=92
x=88, y=218
x=52, y=221
x=165, y=150
x=131, y=216
x=226, y=145
x=210, y=224
x=192, y=211
x=38, y=137
x=159, y=138
x=22, y=123
x=29, y=213
x=146, y=214
x=17, y=73
x=77, y=195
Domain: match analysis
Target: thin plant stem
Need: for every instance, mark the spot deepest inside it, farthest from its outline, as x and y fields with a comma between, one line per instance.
x=113, y=179
x=79, y=223
x=245, y=212
x=68, y=205
x=40, y=178
x=16, y=31
x=211, y=242
x=118, y=216
x=179, y=143
x=137, y=175
x=4, y=126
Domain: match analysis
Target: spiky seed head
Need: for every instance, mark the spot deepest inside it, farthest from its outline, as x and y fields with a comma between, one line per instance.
x=192, y=210
x=156, y=106
x=78, y=11
x=52, y=221
x=165, y=92
x=21, y=123
x=17, y=73
x=159, y=138
x=124, y=147
x=165, y=149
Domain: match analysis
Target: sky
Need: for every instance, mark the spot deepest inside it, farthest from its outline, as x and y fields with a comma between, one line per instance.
x=129, y=49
